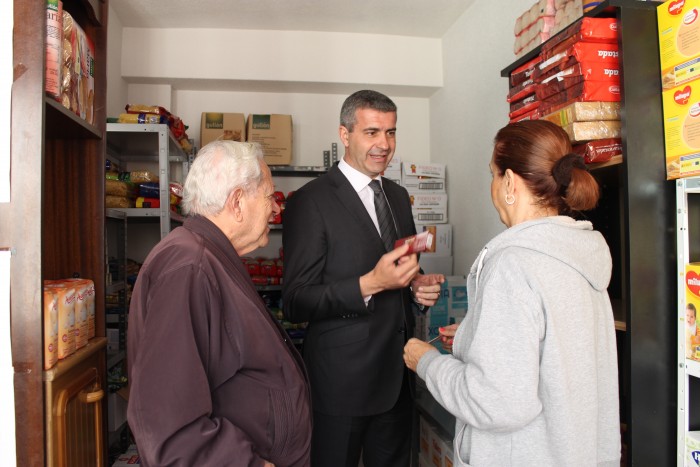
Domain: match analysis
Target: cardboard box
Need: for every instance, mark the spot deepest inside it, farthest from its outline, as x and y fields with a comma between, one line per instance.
x=442, y=239
x=414, y=169
x=226, y=126
x=692, y=448
x=112, y=339
x=424, y=429
x=679, y=47
x=128, y=458
x=692, y=310
x=429, y=216
x=423, y=184
x=274, y=133
x=450, y=308
x=681, y=107
x=116, y=411
x=426, y=200
x=435, y=264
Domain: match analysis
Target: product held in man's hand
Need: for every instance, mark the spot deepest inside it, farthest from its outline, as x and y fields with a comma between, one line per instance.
x=416, y=243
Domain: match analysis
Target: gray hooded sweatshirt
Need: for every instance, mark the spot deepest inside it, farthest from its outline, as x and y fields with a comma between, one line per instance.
x=533, y=380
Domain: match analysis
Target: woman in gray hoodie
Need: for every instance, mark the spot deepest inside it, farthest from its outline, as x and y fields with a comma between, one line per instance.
x=532, y=380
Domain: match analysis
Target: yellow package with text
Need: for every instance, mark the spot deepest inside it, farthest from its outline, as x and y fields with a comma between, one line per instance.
x=692, y=304
x=681, y=107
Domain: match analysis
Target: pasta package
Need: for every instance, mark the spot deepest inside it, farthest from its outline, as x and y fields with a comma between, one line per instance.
x=119, y=188
x=85, y=288
x=50, y=328
x=112, y=201
x=65, y=295
x=54, y=38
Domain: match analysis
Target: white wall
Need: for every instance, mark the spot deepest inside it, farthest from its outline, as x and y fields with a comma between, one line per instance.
x=116, y=86
x=465, y=115
x=304, y=74
x=450, y=94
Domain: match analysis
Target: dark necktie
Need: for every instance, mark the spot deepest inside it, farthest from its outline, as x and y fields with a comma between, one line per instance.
x=384, y=217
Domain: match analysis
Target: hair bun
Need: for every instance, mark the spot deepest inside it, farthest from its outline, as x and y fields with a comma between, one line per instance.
x=563, y=167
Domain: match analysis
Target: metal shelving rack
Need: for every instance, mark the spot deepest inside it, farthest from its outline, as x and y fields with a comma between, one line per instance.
x=687, y=368
x=128, y=143
x=115, y=282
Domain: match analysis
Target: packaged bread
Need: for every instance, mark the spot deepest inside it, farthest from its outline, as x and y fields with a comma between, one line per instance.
x=65, y=295
x=584, y=112
x=50, y=328
x=586, y=131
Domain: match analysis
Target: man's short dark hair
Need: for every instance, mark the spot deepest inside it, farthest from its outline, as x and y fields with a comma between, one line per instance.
x=365, y=99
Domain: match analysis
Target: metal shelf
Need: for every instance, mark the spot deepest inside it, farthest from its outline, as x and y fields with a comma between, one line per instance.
x=297, y=170
x=154, y=143
x=686, y=368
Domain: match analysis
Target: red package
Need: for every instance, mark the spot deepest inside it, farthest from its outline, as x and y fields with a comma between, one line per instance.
x=582, y=52
x=524, y=71
x=252, y=266
x=531, y=115
x=416, y=243
x=601, y=150
x=260, y=280
x=585, y=91
x=526, y=105
x=585, y=30
x=521, y=91
x=268, y=268
x=594, y=71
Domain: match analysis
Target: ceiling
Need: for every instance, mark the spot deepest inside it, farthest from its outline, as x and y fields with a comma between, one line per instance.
x=419, y=18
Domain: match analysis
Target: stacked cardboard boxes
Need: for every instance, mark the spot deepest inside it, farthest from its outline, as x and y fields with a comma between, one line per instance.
x=272, y=131
x=426, y=185
x=435, y=449
x=679, y=27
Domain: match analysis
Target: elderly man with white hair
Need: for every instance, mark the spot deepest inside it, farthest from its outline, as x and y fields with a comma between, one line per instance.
x=214, y=379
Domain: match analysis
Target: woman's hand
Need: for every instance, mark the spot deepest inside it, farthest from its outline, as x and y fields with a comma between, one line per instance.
x=447, y=336
x=413, y=351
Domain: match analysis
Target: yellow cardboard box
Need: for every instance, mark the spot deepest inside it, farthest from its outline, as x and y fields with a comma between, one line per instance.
x=679, y=41
x=682, y=130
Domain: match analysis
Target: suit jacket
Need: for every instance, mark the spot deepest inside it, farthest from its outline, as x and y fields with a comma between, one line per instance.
x=353, y=352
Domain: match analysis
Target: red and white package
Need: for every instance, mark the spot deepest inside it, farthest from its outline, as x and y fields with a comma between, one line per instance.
x=582, y=52
x=593, y=71
x=585, y=30
x=416, y=243
x=601, y=150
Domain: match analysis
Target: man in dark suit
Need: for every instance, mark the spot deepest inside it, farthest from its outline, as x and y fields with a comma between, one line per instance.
x=357, y=293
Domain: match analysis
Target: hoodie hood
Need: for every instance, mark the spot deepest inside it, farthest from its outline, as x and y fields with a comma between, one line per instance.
x=573, y=243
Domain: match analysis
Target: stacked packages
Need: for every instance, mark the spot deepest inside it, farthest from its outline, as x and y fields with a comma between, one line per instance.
x=70, y=57
x=575, y=83
x=679, y=30
x=544, y=19
x=69, y=317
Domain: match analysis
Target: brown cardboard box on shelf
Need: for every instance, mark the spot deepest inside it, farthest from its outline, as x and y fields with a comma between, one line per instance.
x=218, y=125
x=274, y=133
